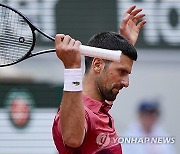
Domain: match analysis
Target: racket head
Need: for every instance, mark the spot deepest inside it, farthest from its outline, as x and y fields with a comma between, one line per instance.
x=17, y=36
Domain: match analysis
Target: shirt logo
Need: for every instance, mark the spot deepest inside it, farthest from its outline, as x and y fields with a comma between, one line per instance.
x=76, y=83
x=103, y=140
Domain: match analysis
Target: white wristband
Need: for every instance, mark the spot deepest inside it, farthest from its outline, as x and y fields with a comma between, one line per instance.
x=73, y=79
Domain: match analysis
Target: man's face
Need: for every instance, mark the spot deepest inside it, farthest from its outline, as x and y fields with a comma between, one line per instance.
x=114, y=77
x=148, y=120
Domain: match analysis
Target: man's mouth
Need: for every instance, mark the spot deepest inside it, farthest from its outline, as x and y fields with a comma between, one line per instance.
x=117, y=89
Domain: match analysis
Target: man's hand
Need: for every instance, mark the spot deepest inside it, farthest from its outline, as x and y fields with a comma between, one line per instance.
x=131, y=24
x=67, y=50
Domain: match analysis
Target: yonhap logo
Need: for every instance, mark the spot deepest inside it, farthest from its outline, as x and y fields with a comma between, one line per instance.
x=103, y=140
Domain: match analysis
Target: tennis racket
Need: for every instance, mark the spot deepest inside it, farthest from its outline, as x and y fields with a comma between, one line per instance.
x=18, y=38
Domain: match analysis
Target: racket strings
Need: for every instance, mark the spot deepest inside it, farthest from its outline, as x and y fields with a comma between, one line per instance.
x=15, y=36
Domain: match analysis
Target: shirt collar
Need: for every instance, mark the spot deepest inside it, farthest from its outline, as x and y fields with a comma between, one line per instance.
x=95, y=105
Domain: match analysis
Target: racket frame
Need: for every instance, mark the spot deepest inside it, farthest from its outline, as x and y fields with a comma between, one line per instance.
x=33, y=29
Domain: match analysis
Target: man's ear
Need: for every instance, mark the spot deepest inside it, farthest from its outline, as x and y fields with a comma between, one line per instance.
x=98, y=65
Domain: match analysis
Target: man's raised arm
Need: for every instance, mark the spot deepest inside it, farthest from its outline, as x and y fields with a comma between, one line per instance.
x=72, y=113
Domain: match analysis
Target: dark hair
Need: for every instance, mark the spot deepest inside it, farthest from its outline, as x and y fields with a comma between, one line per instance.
x=149, y=106
x=112, y=41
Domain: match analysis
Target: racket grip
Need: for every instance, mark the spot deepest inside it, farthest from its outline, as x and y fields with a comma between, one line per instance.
x=89, y=51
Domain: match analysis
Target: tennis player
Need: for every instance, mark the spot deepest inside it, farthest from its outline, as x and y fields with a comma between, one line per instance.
x=83, y=124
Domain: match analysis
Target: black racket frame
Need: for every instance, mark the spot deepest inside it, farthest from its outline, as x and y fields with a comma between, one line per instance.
x=33, y=29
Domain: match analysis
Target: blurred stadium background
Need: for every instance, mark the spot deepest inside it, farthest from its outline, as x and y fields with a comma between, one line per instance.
x=30, y=91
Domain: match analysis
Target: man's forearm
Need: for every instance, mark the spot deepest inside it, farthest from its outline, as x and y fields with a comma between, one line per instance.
x=72, y=118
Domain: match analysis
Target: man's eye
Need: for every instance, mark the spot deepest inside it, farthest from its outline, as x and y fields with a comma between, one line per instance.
x=124, y=72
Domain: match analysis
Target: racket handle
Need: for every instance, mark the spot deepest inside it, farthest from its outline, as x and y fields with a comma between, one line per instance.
x=100, y=53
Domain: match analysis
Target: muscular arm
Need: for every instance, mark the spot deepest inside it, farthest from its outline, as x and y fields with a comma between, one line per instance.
x=72, y=117
x=72, y=113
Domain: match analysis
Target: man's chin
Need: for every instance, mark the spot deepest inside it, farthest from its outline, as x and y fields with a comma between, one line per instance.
x=111, y=95
x=111, y=99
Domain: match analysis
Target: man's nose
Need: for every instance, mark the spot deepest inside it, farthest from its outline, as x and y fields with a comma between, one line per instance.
x=125, y=81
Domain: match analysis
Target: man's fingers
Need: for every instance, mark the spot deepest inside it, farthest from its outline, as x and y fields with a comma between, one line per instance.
x=59, y=38
x=77, y=44
x=138, y=18
x=67, y=39
x=135, y=12
x=131, y=9
x=141, y=24
x=72, y=42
